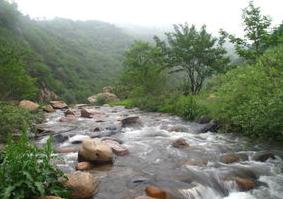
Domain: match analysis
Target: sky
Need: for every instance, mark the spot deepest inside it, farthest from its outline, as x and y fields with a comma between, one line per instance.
x=215, y=14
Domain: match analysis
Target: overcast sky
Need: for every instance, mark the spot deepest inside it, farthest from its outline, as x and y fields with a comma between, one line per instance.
x=216, y=14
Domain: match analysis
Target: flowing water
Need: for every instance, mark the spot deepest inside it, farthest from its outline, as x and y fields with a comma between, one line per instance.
x=153, y=161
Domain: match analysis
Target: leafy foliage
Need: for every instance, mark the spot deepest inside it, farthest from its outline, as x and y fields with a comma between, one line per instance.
x=257, y=35
x=249, y=99
x=14, y=120
x=26, y=171
x=197, y=53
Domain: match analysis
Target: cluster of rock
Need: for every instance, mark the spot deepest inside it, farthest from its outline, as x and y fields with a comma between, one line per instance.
x=107, y=96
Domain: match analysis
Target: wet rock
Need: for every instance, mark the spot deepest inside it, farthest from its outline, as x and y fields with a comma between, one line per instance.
x=77, y=139
x=195, y=162
x=59, y=138
x=83, y=185
x=180, y=143
x=178, y=128
x=263, y=156
x=86, y=113
x=204, y=119
x=69, y=112
x=58, y=104
x=48, y=108
x=212, y=126
x=230, y=158
x=96, y=129
x=94, y=150
x=117, y=148
x=84, y=166
x=156, y=192
x=245, y=184
x=130, y=121
x=243, y=156
x=66, y=150
x=28, y=105
x=68, y=118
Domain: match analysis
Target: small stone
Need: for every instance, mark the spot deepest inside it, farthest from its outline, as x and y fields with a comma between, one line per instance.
x=230, y=158
x=180, y=143
x=156, y=192
x=84, y=166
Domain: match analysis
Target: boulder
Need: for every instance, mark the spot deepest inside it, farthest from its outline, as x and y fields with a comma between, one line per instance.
x=58, y=104
x=86, y=113
x=68, y=118
x=84, y=166
x=106, y=96
x=94, y=150
x=245, y=184
x=230, y=158
x=107, y=89
x=83, y=185
x=180, y=143
x=156, y=192
x=212, y=126
x=116, y=147
x=48, y=108
x=263, y=156
x=131, y=120
x=69, y=112
x=28, y=105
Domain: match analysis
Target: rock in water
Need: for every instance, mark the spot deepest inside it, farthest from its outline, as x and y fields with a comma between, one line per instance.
x=131, y=120
x=58, y=104
x=180, y=143
x=28, y=105
x=245, y=184
x=83, y=185
x=156, y=192
x=230, y=158
x=84, y=166
x=68, y=118
x=86, y=113
x=94, y=150
x=263, y=156
x=117, y=148
x=69, y=112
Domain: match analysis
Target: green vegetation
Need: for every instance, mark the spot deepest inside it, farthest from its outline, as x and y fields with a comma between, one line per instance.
x=14, y=120
x=26, y=171
x=75, y=59
x=245, y=98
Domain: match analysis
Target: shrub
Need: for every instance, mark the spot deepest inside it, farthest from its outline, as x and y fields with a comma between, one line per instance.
x=249, y=99
x=26, y=171
x=100, y=100
x=14, y=120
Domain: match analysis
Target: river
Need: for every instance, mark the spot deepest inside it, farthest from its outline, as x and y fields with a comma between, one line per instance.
x=194, y=172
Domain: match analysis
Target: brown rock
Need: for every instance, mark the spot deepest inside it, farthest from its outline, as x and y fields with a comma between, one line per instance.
x=48, y=108
x=263, y=156
x=156, y=192
x=180, y=143
x=28, y=105
x=230, y=158
x=94, y=150
x=58, y=104
x=83, y=166
x=86, y=113
x=69, y=112
x=130, y=121
x=245, y=184
x=68, y=118
x=83, y=185
x=116, y=147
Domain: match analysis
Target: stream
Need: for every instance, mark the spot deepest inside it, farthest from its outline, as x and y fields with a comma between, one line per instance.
x=194, y=172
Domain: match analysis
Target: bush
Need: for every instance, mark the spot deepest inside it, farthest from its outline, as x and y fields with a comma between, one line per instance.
x=100, y=100
x=26, y=171
x=249, y=99
x=14, y=120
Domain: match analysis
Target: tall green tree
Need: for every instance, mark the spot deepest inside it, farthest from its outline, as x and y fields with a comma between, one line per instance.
x=257, y=35
x=195, y=52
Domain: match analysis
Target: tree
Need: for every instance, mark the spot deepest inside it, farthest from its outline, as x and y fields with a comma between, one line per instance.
x=195, y=52
x=143, y=71
x=257, y=36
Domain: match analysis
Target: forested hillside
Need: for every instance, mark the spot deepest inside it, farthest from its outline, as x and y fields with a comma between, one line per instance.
x=75, y=59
